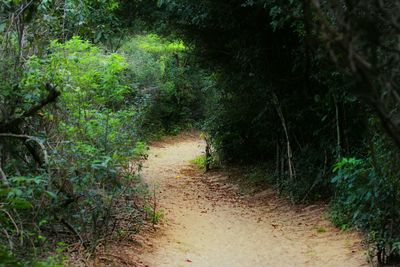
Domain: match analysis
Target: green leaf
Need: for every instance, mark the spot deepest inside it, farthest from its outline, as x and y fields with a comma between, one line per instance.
x=20, y=203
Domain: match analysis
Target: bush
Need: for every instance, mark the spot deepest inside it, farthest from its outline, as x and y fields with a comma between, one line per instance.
x=367, y=197
x=88, y=184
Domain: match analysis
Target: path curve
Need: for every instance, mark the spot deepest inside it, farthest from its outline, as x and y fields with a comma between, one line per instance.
x=208, y=224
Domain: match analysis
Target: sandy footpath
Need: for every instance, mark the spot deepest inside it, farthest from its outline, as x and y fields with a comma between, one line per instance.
x=208, y=223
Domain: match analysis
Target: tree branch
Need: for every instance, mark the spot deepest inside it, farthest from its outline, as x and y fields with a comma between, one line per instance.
x=32, y=138
x=3, y=178
x=10, y=126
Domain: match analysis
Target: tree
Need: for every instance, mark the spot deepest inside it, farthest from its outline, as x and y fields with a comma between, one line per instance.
x=362, y=38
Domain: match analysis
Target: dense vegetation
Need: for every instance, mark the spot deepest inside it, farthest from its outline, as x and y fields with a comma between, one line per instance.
x=307, y=91
x=76, y=113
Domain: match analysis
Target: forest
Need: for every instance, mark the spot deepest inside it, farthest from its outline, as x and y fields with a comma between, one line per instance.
x=304, y=95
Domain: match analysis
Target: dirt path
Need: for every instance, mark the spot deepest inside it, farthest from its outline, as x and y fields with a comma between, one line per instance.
x=208, y=223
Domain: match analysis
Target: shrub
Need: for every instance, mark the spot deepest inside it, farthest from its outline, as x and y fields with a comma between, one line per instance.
x=367, y=197
x=88, y=185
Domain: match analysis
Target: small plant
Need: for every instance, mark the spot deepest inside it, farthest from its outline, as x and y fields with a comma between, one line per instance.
x=199, y=161
x=154, y=215
x=152, y=212
x=203, y=163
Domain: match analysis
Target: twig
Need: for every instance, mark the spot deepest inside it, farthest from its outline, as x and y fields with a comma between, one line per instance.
x=12, y=220
x=10, y=243
x=154, y=205
x=72, y=229
x=292, y=171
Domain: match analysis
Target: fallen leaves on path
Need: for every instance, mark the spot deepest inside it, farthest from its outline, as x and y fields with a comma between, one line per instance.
x=208, y=222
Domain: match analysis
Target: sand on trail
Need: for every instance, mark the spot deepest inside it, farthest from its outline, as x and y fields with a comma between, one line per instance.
x=208, y=223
